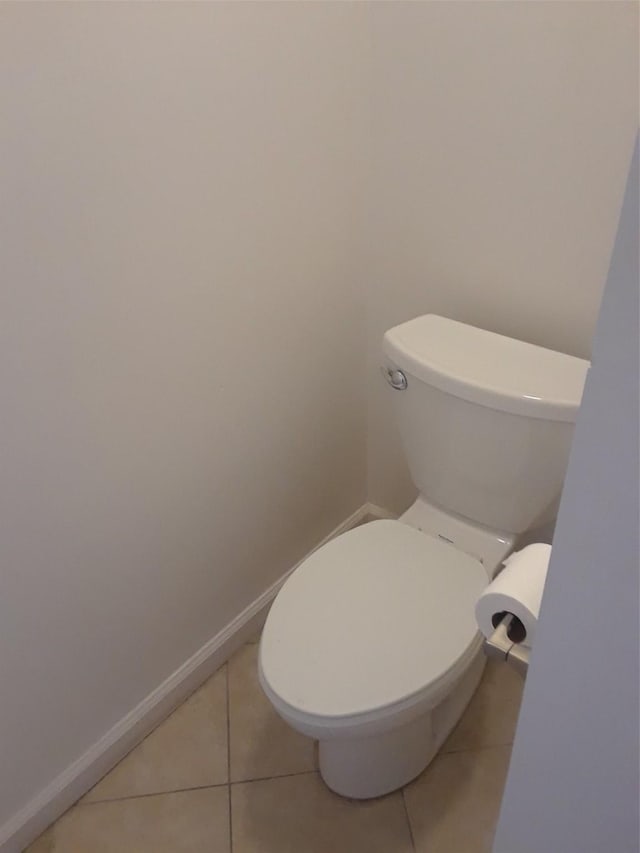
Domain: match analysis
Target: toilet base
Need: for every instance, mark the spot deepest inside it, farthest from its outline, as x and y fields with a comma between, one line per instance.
x=371, y=766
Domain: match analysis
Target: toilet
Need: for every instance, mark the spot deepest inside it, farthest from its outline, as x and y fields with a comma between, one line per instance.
x=371, y=646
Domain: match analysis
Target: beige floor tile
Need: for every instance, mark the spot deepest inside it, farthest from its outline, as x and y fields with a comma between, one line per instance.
x=261, y=743
x=43, y=844
x=491, y=717
x=187, y=750
x=298, y=814
x=453, y=806
x=183, y=822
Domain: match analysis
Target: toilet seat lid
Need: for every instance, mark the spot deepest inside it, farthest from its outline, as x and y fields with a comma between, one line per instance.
x=369, y=620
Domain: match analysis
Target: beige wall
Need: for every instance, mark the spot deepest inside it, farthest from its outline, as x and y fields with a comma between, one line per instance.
x=181, y=344
x=502, y=141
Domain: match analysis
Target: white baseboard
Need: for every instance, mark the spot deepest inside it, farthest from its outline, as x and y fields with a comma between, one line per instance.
x=378, y=511
x=60, y=794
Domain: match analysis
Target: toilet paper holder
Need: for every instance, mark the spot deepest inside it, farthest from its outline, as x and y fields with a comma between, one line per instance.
x=500, y=646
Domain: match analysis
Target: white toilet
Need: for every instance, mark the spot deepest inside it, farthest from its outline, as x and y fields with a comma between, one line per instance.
x=371, y=645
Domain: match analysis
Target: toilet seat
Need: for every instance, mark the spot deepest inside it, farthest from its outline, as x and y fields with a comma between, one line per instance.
x=371, y=628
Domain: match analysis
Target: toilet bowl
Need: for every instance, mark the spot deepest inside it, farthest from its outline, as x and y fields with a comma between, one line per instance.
x=380, y=660
x=371, y=645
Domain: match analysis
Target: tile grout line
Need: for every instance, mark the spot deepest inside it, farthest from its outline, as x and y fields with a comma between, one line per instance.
x=406, y=813
x=195, y=788
x=229, y=763
x=273, y=778
x=481, y=748
x=152, y=794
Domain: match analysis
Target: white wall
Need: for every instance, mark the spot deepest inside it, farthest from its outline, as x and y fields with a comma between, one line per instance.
x=574, y=776
x=181, y=340
x=502, y=137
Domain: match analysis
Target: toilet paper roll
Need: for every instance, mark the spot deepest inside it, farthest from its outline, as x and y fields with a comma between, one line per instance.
x=518, y=590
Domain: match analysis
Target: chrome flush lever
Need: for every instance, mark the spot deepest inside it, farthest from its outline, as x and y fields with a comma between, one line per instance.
x=395, y=378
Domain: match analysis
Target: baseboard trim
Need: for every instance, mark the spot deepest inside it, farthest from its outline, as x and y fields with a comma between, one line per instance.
x=60, y=794
x=379, y=512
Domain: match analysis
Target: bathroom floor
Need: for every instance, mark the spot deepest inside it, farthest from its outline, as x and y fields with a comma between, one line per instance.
x=223, y=774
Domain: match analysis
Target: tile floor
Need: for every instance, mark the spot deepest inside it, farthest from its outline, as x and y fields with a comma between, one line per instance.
x=223, y=774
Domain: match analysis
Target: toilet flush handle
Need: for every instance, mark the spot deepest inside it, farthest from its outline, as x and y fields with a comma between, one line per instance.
x=395, y=378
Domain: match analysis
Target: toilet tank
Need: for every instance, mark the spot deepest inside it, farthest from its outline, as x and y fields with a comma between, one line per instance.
x=486, y=420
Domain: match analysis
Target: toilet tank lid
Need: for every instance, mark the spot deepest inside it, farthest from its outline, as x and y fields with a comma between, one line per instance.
x=489, y=369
